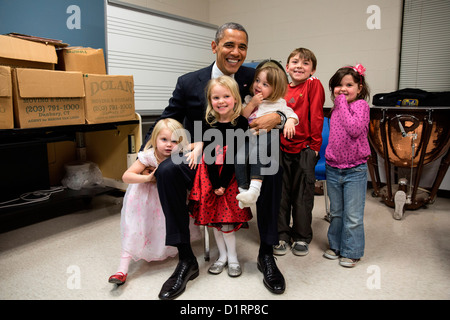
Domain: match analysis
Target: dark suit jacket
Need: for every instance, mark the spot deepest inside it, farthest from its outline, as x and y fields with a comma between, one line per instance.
x=188, y=101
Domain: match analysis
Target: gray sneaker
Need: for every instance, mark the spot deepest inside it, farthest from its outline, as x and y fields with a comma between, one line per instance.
x=349, y=263
x=300, y=248
x=280, y=249
x=331, y=254
x=399, y=200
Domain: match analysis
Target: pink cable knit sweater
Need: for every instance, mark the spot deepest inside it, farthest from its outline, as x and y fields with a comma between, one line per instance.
x=348, y=145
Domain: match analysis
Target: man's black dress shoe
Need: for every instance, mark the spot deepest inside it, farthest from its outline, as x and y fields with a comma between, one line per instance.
x=273, y=279
x=174, y=286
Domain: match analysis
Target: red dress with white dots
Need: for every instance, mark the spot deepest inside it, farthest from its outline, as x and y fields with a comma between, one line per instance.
x=209, y=209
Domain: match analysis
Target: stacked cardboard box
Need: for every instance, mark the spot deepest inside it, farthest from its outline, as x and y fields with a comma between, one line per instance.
x=86, y=60
x=44, y=98
x=20, y=53
x=80, y=93
x=109, y=98
x=6, y=102
x=15, y=52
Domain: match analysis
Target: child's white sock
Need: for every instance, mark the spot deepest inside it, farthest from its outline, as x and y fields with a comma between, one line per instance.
x=251, y=195
x=242, y=205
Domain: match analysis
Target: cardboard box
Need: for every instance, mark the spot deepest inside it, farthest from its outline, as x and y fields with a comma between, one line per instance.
x=15, y=52
x=44, y=98
x=85, y=60
x=6, y=100
x=109, y=98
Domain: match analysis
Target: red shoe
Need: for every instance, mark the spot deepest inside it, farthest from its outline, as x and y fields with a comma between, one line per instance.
x=118, y=278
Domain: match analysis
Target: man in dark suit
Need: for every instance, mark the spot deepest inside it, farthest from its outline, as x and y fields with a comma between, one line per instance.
x=188, y=104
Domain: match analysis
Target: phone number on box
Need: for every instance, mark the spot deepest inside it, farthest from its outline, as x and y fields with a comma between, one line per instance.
x=52, y=108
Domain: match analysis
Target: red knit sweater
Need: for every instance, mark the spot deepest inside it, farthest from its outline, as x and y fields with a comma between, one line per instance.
x=306, y=99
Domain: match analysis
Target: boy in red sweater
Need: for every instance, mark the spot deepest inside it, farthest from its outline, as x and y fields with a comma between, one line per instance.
x=299, y=155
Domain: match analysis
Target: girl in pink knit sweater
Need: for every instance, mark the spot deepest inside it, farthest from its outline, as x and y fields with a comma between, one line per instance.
x=346, y=164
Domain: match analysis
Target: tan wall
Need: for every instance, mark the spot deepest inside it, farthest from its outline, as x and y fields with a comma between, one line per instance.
x=192, y=9
x=336, y=31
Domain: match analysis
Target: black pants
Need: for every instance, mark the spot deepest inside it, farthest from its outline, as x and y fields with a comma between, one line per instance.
x=174, y=181
x=254, y=155
x=297, y=196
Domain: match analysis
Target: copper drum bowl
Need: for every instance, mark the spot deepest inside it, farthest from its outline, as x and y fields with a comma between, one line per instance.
x=413, y=120
x=408, y=137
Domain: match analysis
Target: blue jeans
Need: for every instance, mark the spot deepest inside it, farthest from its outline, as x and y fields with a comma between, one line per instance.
x=347, y=191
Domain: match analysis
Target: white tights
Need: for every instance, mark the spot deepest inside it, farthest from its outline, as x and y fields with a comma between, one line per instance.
x=124, y=263
x=226, y=243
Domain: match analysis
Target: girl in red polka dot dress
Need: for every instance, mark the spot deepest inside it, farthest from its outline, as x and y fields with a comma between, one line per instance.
x=213, y=195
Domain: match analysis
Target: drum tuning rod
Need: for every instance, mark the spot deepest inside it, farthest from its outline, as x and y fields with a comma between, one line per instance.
x=401, y=128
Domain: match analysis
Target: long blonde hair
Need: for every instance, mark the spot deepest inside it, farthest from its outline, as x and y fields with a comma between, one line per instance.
x=178, y=134
x=231, y=84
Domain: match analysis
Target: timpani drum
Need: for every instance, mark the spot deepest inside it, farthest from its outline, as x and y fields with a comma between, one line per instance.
x=407, y=138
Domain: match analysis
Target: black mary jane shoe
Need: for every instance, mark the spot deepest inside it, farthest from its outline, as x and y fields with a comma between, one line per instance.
x=174, y=286
x=273, y=279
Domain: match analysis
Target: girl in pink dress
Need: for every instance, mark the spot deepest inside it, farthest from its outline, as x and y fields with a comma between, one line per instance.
x=142, y=224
